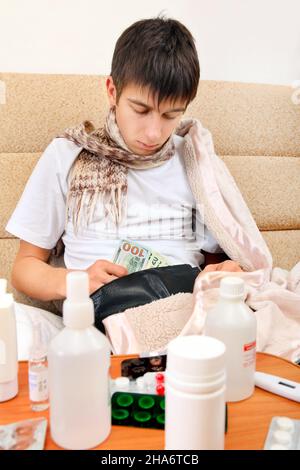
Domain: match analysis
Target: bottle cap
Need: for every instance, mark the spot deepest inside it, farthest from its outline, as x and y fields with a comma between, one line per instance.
x=196, y=359
x=78, y=308
x=231, y=287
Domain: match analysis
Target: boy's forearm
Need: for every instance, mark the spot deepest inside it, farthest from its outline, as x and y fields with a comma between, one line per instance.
x=39, y=280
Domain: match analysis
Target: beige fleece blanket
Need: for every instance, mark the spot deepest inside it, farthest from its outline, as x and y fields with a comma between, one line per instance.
x=273, y=293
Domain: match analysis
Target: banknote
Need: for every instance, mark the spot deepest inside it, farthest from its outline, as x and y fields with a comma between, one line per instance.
x=156, y=260
x=136, y=257
x=131, y=255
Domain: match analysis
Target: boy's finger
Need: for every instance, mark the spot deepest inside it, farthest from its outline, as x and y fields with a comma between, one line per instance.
x=115, y=269
x=112, y=278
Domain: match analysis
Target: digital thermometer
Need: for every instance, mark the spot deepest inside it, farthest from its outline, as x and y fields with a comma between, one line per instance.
x=278, y=385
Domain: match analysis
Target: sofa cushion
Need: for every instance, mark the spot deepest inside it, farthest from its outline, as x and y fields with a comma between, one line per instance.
x=270, y=186
x=249, y=118
x=38, y=106
x=15, y=171
x=284, y=246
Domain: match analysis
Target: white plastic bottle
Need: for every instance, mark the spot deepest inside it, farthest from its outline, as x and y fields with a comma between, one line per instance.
x=234, y=323
x=195, y=394
x=8, y=345
x=78, y=363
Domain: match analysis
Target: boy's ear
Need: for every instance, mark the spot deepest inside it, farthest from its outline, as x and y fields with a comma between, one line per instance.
x=111, y=91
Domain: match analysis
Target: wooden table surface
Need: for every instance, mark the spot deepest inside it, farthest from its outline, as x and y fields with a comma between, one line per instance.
x=248, y=421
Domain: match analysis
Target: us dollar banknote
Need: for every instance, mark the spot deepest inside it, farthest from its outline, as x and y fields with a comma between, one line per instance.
x=136, y=257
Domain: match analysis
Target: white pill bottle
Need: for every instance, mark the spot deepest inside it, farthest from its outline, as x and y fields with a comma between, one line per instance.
x=195, y=394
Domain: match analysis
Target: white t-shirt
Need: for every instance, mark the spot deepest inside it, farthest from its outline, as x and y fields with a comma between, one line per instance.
x=161, y=212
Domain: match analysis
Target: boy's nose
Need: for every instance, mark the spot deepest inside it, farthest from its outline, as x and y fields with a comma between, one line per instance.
x=153, y=132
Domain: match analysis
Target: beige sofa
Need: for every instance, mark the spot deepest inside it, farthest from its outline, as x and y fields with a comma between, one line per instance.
x=255, y=129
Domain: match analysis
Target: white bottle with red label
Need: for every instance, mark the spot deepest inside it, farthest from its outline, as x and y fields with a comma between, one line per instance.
x=234, y=323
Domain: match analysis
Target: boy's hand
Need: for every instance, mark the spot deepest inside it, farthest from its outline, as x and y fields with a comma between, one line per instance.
x=227, y=265
x=102, y=272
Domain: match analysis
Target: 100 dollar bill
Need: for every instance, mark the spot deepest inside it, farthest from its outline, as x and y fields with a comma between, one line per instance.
x=136, y=257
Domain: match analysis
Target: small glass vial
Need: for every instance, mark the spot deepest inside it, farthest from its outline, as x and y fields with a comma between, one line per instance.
x=38, y=373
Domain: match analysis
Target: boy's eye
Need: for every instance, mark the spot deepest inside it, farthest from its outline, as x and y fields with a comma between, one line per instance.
x=140, y=112
x=171, y=117
x=145, y=112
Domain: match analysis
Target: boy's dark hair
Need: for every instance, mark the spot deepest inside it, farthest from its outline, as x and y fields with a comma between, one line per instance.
x=160, y=54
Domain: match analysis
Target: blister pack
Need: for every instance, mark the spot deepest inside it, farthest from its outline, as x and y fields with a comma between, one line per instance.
x=134, y=409
x=283, y=434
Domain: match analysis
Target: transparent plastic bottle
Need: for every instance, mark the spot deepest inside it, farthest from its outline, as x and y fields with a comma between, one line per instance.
x=234, y=323
x=38, y=372
x=79, y=361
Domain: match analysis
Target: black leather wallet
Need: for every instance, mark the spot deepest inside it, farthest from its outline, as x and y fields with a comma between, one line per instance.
x=141, y=288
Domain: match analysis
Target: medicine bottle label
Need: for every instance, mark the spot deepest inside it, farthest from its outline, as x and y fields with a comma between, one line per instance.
x=249, y=354
x=38, y=385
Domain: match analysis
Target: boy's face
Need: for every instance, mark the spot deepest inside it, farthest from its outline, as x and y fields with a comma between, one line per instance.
x=143, y=126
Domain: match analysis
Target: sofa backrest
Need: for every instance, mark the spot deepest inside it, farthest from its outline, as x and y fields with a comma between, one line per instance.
x=255, y=128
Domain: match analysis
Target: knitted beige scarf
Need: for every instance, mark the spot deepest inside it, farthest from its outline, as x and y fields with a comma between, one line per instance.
x=99, y=173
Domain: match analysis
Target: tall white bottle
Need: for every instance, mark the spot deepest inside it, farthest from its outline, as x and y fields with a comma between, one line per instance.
x=78, y=363
x=234, y=323
x=195, y=394
x=8, y=345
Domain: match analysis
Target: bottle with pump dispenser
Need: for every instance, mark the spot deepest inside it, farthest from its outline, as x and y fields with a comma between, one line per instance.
x=8, y=345
x=78, y=363
x=234, y=323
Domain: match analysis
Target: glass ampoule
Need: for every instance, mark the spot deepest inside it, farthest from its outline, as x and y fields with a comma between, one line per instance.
x=38, y=372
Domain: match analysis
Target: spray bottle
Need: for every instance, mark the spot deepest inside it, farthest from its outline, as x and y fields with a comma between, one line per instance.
x=78, y=363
